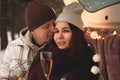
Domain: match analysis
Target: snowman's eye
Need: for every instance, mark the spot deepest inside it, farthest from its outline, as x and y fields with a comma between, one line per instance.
x=106, y=17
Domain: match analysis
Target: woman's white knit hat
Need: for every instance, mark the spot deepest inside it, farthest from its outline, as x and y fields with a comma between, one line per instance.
x=72, y=14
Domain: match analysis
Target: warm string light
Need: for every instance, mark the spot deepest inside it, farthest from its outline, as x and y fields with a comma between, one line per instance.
x=103, y=38
x=89, y=45
x=94, y=34
x=98, y=37
x=114, y=33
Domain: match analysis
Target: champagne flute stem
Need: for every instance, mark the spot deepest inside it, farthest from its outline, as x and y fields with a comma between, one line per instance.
x=47, y=78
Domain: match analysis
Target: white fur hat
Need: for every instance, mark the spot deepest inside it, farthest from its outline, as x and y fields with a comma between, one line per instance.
x=72, y=14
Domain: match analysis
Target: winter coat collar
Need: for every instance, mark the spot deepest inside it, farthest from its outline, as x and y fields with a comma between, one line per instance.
x=26, y=36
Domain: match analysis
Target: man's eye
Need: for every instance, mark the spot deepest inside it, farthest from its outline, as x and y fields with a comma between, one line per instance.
x=48, y=25
x=56, y=31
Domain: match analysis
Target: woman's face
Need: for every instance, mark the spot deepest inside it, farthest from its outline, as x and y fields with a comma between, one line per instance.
x=63, y=35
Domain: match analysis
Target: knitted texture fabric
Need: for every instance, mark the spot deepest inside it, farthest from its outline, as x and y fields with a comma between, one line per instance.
x=36, y=14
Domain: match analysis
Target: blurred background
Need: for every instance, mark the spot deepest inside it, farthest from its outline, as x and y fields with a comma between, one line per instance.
x=12, y=18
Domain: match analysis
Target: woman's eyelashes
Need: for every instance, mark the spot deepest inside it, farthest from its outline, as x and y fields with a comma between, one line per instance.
x=66, y=30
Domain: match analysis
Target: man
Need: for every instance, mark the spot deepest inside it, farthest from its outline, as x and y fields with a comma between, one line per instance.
x=21, y=52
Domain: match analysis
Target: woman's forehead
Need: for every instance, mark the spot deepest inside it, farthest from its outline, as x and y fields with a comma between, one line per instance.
x=61, y=24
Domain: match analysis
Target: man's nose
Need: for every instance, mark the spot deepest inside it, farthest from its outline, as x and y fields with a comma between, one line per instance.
x=52, y=28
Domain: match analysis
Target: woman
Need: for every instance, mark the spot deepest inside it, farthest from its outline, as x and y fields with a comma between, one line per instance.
x=71, y=55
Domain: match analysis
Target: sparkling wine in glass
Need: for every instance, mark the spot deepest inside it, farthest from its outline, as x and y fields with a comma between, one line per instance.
x=46, y=63
x=16, y=75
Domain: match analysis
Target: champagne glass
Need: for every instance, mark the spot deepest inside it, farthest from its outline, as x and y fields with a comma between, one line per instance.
x=46, y=63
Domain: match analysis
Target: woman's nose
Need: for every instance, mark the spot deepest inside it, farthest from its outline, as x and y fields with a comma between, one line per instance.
x=60, y=35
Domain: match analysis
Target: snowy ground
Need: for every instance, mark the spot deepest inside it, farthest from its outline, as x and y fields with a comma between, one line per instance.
x=1, y=55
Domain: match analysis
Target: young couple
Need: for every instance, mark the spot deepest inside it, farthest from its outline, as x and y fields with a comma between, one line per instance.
x=71, y=55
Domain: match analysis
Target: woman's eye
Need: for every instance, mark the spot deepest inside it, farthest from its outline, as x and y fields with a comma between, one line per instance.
x=66, y=31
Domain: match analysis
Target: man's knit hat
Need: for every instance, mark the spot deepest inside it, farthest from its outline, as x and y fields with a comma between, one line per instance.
x=37, y=14
x=72, y=14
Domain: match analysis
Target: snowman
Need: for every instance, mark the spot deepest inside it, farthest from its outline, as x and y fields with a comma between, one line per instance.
x=101, y=19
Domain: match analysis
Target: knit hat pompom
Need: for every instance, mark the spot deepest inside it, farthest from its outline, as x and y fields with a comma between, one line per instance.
x=37, y=14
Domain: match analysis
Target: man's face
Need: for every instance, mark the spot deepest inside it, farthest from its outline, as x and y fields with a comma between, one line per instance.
x=43, y=33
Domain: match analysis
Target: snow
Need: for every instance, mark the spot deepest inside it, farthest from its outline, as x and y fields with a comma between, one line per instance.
x=9, y=40
x=1, y=55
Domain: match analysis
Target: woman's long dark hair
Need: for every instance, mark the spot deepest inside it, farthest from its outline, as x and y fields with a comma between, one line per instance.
x=78, y=43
